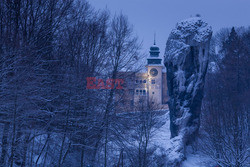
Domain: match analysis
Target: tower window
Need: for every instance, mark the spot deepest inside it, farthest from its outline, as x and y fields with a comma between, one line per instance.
x=153, y=81
x=144, y=92
x=136, y=81
x=137, y=92
x=144, y=81
x=140, y=81
x=153, y=92
x=203, y=52
x=140, y=92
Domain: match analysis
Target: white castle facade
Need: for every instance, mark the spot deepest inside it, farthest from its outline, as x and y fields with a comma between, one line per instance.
x=148, y=88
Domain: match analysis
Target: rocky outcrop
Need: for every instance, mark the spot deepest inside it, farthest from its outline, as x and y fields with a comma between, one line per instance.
x=186, y=60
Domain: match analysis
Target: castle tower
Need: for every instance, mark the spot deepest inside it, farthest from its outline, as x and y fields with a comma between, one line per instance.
x=154, y=72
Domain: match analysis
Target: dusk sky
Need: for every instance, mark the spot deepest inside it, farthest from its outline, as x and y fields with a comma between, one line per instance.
x=160, y=16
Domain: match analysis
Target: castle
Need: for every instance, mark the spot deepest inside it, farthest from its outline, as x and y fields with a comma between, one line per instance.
x=149, y=88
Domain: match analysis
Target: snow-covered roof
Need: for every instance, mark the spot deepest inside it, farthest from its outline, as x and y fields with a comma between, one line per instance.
x=154, y=46
x=156, y=65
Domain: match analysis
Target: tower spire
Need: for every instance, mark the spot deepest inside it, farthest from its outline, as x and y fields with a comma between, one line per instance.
x=154, y=50
x=154, y=39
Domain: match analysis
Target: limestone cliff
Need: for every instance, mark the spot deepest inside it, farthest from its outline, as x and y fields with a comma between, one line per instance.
x=186, y=60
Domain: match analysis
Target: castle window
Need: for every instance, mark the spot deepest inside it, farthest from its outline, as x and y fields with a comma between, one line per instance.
x=137, y=92
x=140, y=81
x=203, y=52
x=153, y=81
x=140, y=92
x=153, y=92
x=144, y=81
x=144, y=92
x=136, y=81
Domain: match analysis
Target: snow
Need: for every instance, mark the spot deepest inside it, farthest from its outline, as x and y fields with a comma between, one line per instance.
x=191, y=26
x=190, y=86
x=180, y=75
x=197, y=159
x=175, y=151
x=190, y=31
x=35, y=159
x=212, y=67
x=155, y=65
x=154, y=58
x=153, y=46
x=171, y=148
x=184, y=119
x=162, y=136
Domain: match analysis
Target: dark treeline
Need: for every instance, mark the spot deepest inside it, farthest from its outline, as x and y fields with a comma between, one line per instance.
x=226, y=106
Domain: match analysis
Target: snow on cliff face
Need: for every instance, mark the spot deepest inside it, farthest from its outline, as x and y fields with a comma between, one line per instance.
x=186, y=61
x=192, y=31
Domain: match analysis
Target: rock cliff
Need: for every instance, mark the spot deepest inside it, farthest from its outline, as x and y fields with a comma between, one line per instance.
x=186, y=60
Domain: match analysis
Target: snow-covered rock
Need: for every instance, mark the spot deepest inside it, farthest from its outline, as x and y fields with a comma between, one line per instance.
x=186, y=60
x=197, y=159
x=171, y=148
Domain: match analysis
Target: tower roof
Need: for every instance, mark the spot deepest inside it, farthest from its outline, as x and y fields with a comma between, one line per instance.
x=154, y=50
x=154, y=54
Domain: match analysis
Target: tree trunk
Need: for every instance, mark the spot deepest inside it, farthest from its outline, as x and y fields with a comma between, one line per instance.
x=61, y=151
x=4, y=145
x=82, y=156
x=25, y=150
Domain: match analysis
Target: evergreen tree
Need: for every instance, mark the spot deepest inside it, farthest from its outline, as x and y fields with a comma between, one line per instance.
x=236, y=58
x=225, y=106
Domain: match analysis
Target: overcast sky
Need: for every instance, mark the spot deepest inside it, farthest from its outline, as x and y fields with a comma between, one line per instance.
x=160, y=16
